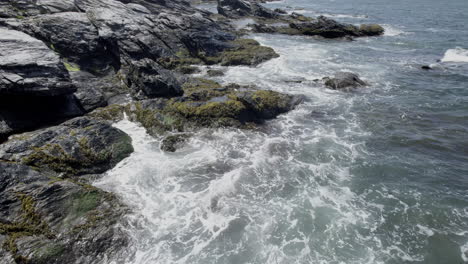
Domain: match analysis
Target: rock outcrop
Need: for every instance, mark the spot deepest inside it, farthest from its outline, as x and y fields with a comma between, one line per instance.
x=241, y=8
x=322, y=26
x=205, y=104
x=29, y=67
x=35, y=87
x=78, y=146
x=48, y=211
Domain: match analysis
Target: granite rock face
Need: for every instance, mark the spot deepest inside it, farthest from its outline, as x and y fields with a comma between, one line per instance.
x=29, y=67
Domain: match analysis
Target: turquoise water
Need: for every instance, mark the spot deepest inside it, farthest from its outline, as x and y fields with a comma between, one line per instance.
x=378, y=175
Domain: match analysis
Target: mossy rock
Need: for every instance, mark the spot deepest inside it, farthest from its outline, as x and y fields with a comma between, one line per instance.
x=76, y=147
x=30, y=224
x=247, y=52
x=199, y=89
x=371, y=29
x=242, y=52
x=113, y=112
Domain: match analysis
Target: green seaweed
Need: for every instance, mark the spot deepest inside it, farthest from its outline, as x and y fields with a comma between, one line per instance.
x=56, y=158
x=31, y=224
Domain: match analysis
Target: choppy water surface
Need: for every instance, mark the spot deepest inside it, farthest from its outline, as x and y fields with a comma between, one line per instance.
x=378, y=175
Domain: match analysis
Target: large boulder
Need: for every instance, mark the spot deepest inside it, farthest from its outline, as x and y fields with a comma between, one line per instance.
x=78, y=146
x=344, y=80
x=29, y=67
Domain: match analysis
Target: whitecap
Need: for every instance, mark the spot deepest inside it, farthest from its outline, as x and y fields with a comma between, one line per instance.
x=392, y=31
x=456, y=55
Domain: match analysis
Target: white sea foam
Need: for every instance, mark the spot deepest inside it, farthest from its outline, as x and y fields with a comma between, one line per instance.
x=464, y=252
x=392, y=31
x=456, y=55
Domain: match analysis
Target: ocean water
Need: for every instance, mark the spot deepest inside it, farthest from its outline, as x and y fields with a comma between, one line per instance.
x=377, y=175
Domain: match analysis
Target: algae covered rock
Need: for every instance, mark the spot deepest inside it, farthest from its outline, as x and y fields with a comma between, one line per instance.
x=45, y=219
x=208, y=104
x=247, y=52
x=78, y=146
x=371, y=29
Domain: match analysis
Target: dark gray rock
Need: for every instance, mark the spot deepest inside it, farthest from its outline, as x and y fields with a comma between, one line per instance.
x=213, y=73
x=76, y=147
x=73, y=36
x=23, y=113
x=24, y=8
x=173, y=142
x=326, y=27
x=147, y=78
x=90, y=93
x=343, y=80
x=329, y=28
x=29, y=67
x=241, y=8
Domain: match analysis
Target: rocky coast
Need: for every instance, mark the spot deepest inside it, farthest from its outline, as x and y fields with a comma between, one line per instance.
x=69, y=69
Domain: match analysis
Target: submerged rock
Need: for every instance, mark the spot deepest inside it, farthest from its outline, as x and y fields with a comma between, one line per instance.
x=343, y=80
x=172, y=142
x=214, y=73
x=78, y=146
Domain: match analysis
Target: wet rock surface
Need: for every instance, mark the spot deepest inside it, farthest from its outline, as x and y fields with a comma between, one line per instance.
x=29, y=67
x=47, y=219
x=78, y=146
x=344, y=80
x=48, y=211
